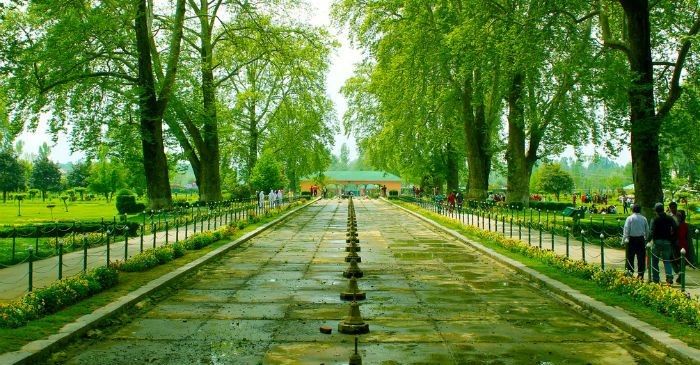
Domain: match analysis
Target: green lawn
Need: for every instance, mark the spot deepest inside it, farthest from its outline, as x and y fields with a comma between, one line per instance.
x=36, y=211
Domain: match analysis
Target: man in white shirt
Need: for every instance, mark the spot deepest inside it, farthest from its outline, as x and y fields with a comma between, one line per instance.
x=272, y=197
x=261, y=199
x=634, y=236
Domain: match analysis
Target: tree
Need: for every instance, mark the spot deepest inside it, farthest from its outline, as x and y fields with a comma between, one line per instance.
x=89, y=62
x=422, y=101
x=639, y=32
x=552, y=179
x=78, y=177
x=11, y=174
x=45, y=176
x=267, y=174
x=106, y=178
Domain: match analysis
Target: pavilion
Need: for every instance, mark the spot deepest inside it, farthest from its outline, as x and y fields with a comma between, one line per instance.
x=360, y=183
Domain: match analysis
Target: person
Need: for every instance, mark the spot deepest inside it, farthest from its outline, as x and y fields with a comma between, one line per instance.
x=624, y=205
x=663, y=233
x=261, y=199
x=271, y=197
x=451, y=200
x=460, y=200
x=673, y=211
x=280, y=196
x=634, y=236
x=574, y=198
x=684, y=241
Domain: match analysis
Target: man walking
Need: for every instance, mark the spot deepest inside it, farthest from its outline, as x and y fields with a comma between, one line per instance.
x=663, y=232
x=634, y=236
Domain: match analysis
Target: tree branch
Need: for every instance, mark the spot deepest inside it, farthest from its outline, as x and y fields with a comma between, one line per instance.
x=675, y=90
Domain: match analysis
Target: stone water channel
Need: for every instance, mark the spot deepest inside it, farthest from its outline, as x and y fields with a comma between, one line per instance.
x=430, y=300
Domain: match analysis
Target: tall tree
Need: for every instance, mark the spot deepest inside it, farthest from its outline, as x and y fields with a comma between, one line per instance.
x=640, y=31
x=11, y=174
x=87, y=64
x=45, y=176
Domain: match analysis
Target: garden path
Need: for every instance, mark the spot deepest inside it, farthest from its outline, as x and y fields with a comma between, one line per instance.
x=430, y=299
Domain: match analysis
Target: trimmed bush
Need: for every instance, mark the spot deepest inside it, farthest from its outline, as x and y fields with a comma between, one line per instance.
x=62, y=229
x=57, y=296
x=555, y=206
x=126, y=203
x=393, y=193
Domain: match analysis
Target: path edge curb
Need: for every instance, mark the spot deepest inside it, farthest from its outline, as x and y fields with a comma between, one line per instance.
x=620, y=318
x=36, y=351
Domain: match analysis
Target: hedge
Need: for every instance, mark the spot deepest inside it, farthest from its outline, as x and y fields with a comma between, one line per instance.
x=555, y=206
x=58, y=295
x=61, y=229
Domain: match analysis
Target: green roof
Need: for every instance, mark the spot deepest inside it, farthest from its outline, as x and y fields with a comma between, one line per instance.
x=357, y=176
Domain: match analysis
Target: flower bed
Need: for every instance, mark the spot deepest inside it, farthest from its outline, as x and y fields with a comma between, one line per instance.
x=57, y=296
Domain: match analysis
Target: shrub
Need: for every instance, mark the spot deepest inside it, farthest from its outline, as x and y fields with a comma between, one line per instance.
x=61, y=229
x=555, y=206
x=56, y=296
x=306, y=194
x=393, y=193
x=126, y=204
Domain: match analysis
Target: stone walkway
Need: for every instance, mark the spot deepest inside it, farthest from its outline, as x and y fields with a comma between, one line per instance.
x=614, y=257
x=430, y=300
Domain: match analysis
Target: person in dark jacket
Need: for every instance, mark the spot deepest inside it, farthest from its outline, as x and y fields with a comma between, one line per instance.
x=663, y=233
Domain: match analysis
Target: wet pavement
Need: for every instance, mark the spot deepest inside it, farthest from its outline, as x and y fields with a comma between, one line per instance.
x=430, y=300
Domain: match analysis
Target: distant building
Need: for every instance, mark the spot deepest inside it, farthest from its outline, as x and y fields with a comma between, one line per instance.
x=358, y=182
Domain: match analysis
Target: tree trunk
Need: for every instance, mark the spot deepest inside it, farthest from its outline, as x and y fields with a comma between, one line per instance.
x=155, y=162
x=477, y=143
x=252, y=146
x=519, y=162
x=4, y=196
x=645, y=125
x=452, y=173
x=210, y=179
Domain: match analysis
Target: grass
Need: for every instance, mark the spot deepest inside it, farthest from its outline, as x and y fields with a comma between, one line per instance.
x=35, y=211
x=14, y=339
x=77, y=211
x=680, y=331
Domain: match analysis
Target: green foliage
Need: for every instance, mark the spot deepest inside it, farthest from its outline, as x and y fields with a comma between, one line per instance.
x=79, y=175
x=126, y=204
x=551, y=206
x=56, y=296
x=267, y=174
x=45, y=176
x=106, y=177
x=66, y=228
x=241, y=191
x=393, y=193
x=11, y=173
x=552, y=179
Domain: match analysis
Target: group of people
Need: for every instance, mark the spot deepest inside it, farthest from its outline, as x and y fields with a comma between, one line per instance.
x=667, y=234
x=455, y=200
x=274, y=198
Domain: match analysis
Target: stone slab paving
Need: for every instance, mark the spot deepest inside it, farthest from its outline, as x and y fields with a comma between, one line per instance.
x=430, y=300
